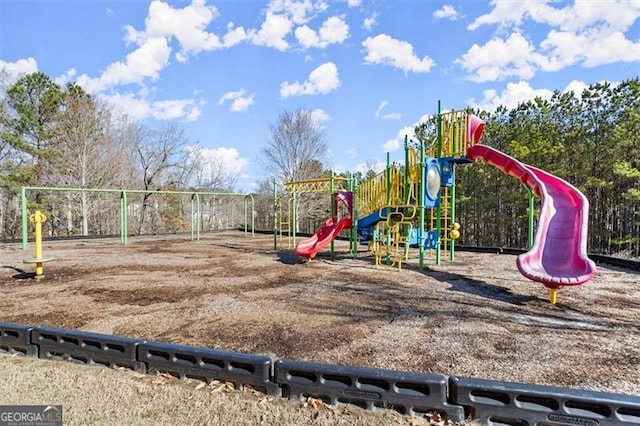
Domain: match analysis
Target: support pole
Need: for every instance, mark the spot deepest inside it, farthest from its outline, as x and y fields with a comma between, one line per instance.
x=354, y=216
x=38, y=219
x=123, y=218
x=332, y=208
x=293, y=222
x=25, y=223
x=421, y=196
x=530, y=230
x=439, y=208
x=275, y=216
x=452, y=206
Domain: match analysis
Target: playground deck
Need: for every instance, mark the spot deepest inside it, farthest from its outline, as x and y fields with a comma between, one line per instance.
x=472, y=317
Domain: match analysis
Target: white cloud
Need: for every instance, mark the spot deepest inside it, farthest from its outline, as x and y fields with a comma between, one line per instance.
x=135, y=107
x=272, y=32
x=398, y=141
x=591, y=48
x=370, y=21
x=138, y=107
x=511, y=96
x=617, y=14
x=239, y=102
x=163, y=24
x=447, y=12
x=391, y=145
x=333, y=30
x=175, y=108
x=389, y=115
x=587, y=33
x=322, y=80
x=517, y=93
x=499, y=59
x=354, y=3
x=383, y=49
x=187, y=25
x=12, y=71
x=352, y=153
x=320, y=115
x=228, y=159
x=375, y=165
x=145, y=62
x=298, y=11
x=65, y=78
x=577, y=87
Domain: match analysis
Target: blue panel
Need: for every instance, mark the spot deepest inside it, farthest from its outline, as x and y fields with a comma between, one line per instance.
x=406, y=392
x=448, y=172
x=431, y=239
x=370, y=220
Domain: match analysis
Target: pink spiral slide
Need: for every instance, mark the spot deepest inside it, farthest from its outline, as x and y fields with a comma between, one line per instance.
x=559, y=254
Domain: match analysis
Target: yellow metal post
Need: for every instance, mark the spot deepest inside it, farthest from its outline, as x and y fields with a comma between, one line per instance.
x=553, y=295
x=38, y=219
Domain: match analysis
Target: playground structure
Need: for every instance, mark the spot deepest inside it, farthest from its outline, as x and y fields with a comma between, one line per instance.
x=414, y=205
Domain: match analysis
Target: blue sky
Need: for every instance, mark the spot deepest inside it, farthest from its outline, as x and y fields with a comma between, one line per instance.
x=370, y=70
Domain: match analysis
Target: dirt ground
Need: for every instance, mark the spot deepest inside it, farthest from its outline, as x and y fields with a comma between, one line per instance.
x=475, y=316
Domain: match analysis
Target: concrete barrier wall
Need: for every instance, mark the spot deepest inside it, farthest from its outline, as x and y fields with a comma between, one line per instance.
x=410, y=393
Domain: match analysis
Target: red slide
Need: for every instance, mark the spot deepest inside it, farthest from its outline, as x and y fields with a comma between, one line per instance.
x=559, y=253
x=328, y=232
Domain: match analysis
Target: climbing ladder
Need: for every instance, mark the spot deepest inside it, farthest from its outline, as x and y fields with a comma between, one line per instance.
x=391, y=236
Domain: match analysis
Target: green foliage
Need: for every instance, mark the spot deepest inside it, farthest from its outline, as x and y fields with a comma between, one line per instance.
x=36, y=101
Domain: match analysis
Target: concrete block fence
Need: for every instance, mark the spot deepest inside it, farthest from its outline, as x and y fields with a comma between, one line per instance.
x=410, y=393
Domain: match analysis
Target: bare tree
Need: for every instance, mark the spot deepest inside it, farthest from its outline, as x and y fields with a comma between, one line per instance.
x=297, y=151
x=162, y=161
x=209, y=172
x=81, y=156
x=296, y=147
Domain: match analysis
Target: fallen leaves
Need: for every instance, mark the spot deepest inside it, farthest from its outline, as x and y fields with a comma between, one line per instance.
x=162, y=379
x=219, y=386
x=314, y=403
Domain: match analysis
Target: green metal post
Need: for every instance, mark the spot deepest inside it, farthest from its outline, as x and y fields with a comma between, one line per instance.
x=530, y=233
x=275, y=216
x=193, y=216
x=452, y=218
x=124, y=224
x=439, y=208
x=253, y=216
x=331, y=207
x=421, y=196
x=293, y=227
x=25, y=220
x=198, y=216
x=354, y=216
x=406, y=169
x=388, y=178
x=387, y=240
x=405, y=194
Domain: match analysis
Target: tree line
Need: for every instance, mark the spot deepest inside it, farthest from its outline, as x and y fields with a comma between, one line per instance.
x=53, y=136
